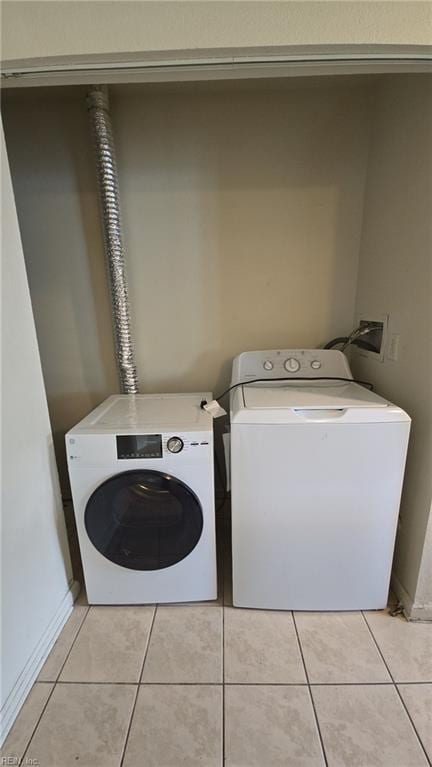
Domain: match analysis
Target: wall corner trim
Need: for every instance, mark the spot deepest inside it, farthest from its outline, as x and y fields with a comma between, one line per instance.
x=29, y=673
x=412, y=610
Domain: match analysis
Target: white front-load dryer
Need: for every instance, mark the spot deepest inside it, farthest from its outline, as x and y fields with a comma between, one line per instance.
x=141, y=472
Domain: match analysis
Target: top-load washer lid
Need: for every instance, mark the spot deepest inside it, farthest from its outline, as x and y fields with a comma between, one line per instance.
x=325, y=401
x=317, y=397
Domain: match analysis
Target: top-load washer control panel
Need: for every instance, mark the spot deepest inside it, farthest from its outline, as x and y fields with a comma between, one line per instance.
x=296, y=363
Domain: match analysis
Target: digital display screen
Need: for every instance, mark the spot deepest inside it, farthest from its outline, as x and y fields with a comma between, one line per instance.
x=131, y=446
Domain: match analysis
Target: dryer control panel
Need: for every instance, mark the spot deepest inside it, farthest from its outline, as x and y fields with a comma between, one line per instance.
x=295, y=363
x=138, y=450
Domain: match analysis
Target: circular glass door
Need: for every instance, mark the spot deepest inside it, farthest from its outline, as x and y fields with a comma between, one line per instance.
x=144, y=520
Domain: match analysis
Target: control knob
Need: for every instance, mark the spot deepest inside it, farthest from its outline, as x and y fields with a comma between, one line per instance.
x=315, y=364
x=268, y=365
x=292, y=365
x=175, y=444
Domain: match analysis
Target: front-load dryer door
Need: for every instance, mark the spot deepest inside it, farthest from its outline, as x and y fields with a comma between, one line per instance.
x=144, y=520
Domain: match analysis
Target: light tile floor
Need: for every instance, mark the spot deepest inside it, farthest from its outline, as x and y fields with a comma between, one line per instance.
x=208, y=684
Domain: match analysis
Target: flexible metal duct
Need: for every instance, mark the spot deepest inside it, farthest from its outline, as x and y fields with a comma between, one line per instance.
x=98, y=107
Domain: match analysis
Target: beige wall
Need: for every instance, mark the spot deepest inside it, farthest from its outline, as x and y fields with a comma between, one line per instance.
x=242, y=212
x=48, y=29
x=51, y=160
x=395, y=277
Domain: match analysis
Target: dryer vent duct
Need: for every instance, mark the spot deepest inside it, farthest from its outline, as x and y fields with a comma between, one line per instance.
x=98, y=108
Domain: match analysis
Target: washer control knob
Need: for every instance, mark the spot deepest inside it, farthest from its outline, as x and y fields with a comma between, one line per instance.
x=292, y=365
x=315, y=364
x=268, y=365
x=175, y=444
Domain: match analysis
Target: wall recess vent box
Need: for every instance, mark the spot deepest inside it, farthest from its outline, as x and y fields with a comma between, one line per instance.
x=377, y=338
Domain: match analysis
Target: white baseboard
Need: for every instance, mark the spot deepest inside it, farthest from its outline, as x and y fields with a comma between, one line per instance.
x=28, y=676
x=412, y=610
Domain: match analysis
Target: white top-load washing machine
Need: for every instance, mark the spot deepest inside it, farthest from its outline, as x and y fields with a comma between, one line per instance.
x=141, y=472
x=316, y=469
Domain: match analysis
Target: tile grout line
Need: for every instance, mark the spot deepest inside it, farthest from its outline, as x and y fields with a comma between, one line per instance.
x=247, y=684
x=310, y=691
x=223, y=689
x=53, y=682
x=72, y=645
x=22, y=761
x=138, y=688
x=427, y=681
x=148, y=644
x=223, y=555
x=396, y=688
